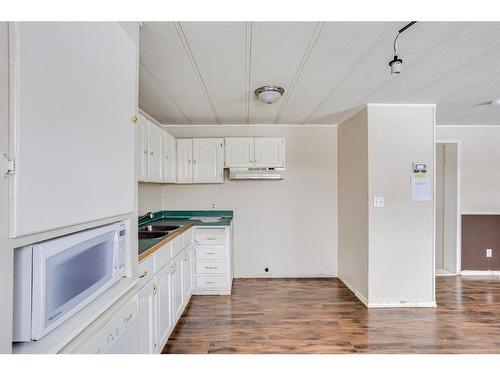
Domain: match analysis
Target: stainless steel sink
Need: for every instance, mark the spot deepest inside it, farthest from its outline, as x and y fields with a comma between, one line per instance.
x=158, y=228
x=150, y=234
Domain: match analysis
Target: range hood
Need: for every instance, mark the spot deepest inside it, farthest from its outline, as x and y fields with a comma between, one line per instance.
x=256, y=173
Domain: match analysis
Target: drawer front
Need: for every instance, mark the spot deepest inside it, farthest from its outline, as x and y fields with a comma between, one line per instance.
x=211, y=267
x=212, y=282
x=211, y=253
x=163, y=256
x=211, y=238
x=146, y=270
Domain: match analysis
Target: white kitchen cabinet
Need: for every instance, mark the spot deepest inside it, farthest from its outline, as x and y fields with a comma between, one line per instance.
x=184, y=160
x=239, y=152
x=177, y=296
x=208, y=160
x=270, y=152
x=142, y=139
x=73, y=100
x=166, y=319
x=148, y=340
x=169, y=158
x=155, y=157
x=187, y=273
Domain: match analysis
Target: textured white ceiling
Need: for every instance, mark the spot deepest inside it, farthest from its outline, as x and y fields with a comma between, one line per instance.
x=207, y=72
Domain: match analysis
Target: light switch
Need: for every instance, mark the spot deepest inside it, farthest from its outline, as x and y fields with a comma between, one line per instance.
x=378, y=202
x=489, y=253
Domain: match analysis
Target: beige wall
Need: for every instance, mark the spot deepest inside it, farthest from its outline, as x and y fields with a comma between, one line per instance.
x=6, y=253
x=479, y=166
x=401, y=265
x=288, y=225
x=149, y=197
x=353, y=203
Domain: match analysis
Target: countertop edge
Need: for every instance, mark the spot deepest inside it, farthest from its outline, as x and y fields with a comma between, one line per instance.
x=165, y=241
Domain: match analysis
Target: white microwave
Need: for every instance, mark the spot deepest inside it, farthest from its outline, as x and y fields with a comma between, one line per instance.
x=55, y=279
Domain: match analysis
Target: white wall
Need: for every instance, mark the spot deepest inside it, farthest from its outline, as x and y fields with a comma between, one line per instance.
x=479, y=166
x=353, y=203
x=149, y=197
x=288, y=225
x=6, y=253
x=401, y=233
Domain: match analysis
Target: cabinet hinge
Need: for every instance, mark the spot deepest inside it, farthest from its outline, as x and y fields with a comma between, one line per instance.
x=8, y=166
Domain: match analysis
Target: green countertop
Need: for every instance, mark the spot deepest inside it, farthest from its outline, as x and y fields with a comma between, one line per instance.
x=181, y=218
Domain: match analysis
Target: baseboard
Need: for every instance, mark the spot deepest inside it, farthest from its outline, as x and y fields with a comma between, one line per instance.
x=385, y=304
x=358, y=295
x=479, y=273
x=286, y=276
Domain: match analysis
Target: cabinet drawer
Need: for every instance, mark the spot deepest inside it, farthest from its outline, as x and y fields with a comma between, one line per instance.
x=163, y=256
x=211, y=237
x=211, y=267
x=146, y=270
x=211, y=253
x=212, y=282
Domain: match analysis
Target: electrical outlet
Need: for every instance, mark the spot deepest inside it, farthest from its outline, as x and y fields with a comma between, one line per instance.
x=213, y=205
x=378, y=202
x=302, y=255
x=489, y=253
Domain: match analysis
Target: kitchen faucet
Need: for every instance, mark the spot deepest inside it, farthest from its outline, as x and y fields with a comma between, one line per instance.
x=147, y=214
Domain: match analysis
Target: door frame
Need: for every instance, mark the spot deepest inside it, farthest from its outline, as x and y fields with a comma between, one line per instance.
x=458, y=143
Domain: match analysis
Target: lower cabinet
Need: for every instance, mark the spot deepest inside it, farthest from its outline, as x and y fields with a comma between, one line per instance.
x=148, y=339
x=177, y=297
x=164, y=280
x=164, y=297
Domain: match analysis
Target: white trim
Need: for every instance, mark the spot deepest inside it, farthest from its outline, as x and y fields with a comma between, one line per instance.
x=479, y=273
x=458, y=142
x=149, y=117
x=286, y=276
x=299, y=126
x=385, y=304
x=468, y=126
x=358, y=295
x=480, y=212
x=401, y=105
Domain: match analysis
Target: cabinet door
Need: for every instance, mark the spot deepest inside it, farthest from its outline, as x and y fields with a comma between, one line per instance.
x=184, y=160
x=164, y=304
x=155, y=157
x=148, y=329
x=177, y=296
x=239, y=152
x=187, y=277
x=270, y=152
x=208, y=160
x=169, y=157
x=142, y=139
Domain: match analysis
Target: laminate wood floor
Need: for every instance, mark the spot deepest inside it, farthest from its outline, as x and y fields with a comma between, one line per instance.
x=323, y=316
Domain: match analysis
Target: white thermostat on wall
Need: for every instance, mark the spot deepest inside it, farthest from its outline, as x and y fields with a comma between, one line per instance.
x=419, y=167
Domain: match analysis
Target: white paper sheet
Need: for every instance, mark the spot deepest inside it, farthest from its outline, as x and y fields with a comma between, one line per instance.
x=421, y=189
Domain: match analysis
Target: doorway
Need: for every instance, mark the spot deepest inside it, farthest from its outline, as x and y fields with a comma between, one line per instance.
x=448, y=229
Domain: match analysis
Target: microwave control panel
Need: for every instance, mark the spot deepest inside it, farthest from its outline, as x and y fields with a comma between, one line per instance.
x=123, y=242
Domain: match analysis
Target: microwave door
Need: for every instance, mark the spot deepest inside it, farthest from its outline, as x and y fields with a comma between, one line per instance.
x=68, y=273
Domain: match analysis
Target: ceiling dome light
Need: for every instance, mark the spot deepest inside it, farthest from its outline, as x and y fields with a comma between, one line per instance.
x=269, y=94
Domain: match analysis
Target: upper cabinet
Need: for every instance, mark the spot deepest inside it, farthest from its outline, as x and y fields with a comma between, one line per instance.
x=184, y=160
x=239, y=152
x=270, y=152
x=208, y=160
x=155, y=161
x=73, y=101
x=255, y=152
x=200, y=160
x=155, y=152
x=169, y=158
x=142, y=141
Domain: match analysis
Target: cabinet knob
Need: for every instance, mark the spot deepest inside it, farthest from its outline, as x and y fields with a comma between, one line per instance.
x=143, y=275
x=145, y=152
x=189, y=161
x=134, y=119
x=151, y=153
x=194, y=161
